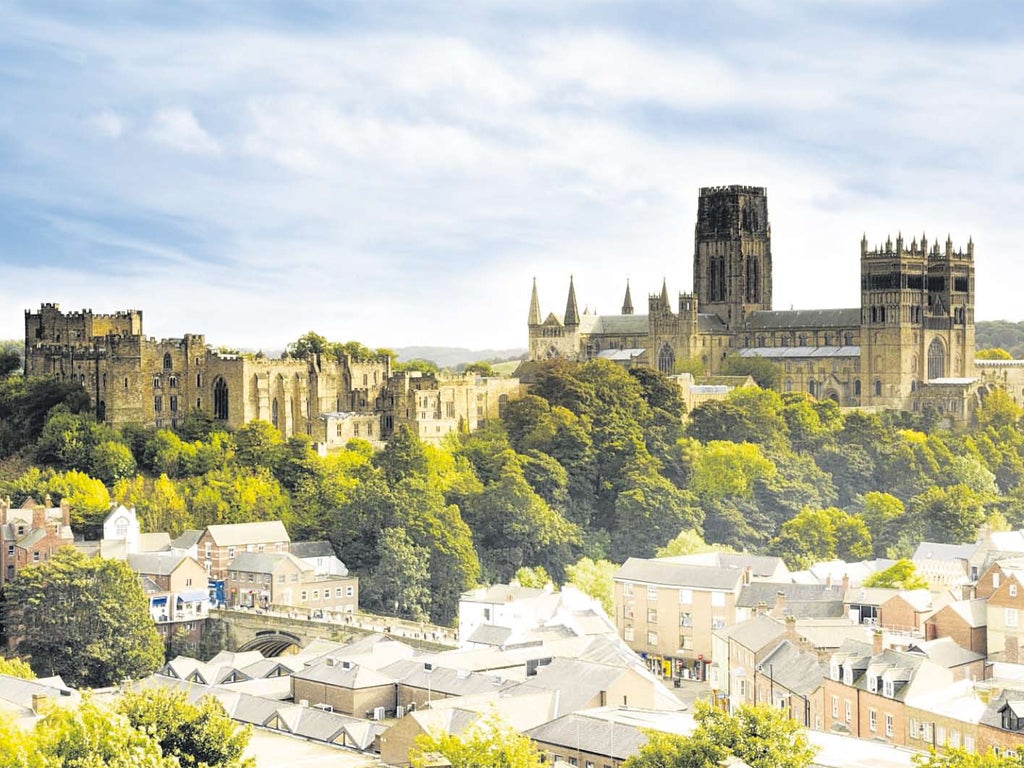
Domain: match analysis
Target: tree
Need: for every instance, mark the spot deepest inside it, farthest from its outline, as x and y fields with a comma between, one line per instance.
x=15, y=667
x=900, y=575
x=258, y=444
x=761, y=736
x=594, y=578
x=10, y=362
x=400, y=583
x=993, y=353
x=883, y=514
x=488, y=743
x=199, y=735
x=480, y=368
x=822, y=534
x=689, y=542
x=764, y=372
x=404, y=455
x=950, y=515
x=85, y=619
x=533, y=578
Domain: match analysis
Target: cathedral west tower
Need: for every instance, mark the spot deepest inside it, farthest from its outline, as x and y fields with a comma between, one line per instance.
x=732, y=260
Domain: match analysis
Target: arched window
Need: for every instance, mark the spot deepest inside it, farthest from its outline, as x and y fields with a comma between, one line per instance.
x=856, y=387
x=812, y=387
x=753, y=280
x=789, y=385
x=878, y=387
x=101, y=411
x=716, y=279
x=121, y=528
x=167, y=361
x=220, y=399
x=936, y=360
x=666, y=358
x=502, y=405
x=274, y=417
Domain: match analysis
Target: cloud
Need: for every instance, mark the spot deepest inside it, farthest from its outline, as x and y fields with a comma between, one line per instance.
x=178, y=128
x=106, y=123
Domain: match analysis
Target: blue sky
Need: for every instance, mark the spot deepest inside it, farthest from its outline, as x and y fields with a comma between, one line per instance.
x=396, y=173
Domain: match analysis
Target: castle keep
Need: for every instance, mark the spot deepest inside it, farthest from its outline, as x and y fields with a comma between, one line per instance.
x=910, y=342
x=134, y=379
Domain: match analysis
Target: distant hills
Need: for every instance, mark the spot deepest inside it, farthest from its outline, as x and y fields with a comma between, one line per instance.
x=450, y=357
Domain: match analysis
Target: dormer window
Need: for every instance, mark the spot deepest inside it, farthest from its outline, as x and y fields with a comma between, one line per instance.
x=873, y=684
x=836, y=672
x=848, y=675
x=890, y=689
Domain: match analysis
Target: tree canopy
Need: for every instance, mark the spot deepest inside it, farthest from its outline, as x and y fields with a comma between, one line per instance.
x=83, y=618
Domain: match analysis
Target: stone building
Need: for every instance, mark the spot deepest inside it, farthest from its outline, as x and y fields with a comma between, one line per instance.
x=909, y=344
x=131, y=378
x=31, y=534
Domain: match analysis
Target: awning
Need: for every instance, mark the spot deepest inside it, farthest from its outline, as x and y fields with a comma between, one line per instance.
x=154, y=601
x=193, y=596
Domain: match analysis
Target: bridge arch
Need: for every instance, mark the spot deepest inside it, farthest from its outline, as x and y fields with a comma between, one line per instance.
x=272, y=642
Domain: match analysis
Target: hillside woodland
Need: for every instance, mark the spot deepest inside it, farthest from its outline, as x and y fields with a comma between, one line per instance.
x=597, y=464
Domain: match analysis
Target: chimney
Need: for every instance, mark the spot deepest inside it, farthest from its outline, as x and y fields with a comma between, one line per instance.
x=791, y=634
x=780, y=604
x=876, y=642
x=760, y=608
x=39, y=516
x=748, y=574
x=846, y=582
x=39, y=702
x=65, y=512
x=5, y=504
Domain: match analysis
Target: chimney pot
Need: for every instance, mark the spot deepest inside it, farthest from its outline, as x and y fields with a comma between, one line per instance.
x=876, y=642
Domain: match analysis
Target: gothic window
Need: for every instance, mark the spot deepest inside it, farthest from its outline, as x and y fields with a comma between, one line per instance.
x=167, y=361
x=274, y=417
x=856, y=387
x=936, y=360
x=199, y=379
x=172, y=382
x=666, y=358
x=753, y=280
x=789, y=385
x=812, y=387
x=716, y=279
x=101, y=411
x=803, y=340
x=848, y=340
x=220, y=399
x=878, y=387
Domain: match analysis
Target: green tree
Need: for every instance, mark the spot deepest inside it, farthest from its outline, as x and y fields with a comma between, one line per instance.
x=997, y=409
x=199, y=735
x=900, y=575
x=258, y=444
x=761, y=736
x=111, y=461
x=822, y=534
x=594, y=578
x=764, y=372
x=993, y=353
x=883, y=514
x=10, y=362
x=400, y=583
x=689, y=542
x=15, y=667
x=726, y=468
x=480, y=368
x=950, y=515
x=489, y=743
x=403, y=456
x=533, y=578
x=102, y=631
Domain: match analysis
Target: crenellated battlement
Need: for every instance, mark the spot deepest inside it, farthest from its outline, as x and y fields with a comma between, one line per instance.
x=740, y=189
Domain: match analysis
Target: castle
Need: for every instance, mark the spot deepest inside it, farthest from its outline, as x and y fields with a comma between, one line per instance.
x=909, y=344
x=132, y=379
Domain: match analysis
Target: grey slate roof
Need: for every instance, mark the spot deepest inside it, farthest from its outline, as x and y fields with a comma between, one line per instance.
x=336, y=673
x=678, y=575
x=155, y=563
x=615, y=325
x=490, y=634
x=803, y=318
x=257, y=562
x=801, y=600
x=778, y=353
x=578, y=682
x=930, y=550
x=757, y=632
x=451, y=682
x=590, y=734
x=311, y=549
x=945, y=652
x=187, y=540
x=794, y=669
x=973, y=612
x=709, y=322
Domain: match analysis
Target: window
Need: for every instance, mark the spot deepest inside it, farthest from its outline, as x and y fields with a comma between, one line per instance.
x=1013, y=590
x=685, y=596
x=231, y=551
x=172, y=382
x=718, y=599
x=954, y=739
x=174, y=403
x=912, y=728
x=652, y=615
x=995, y=580
x=167, y=361
x=888, y=726
x=926, y=733
x=338, y=593
x=968, y=743
x=252, y=577
x=156, y=382
x=717, y=622
x=158, y=403
x=1010, y=616
x=295, y=578
x=280, y=578
x=686, y=642
x=872, y=720
x=316, y=594
x=835, y=671
x=685, y=620
x=652, y=638
x=652, y=593
x=303, y=595
x=627, y=634
x=848, y=712
x=349, y=591
x=890, y=689
x=35, y=556
x=873, y=683
x=940, y=735
x=835, y=707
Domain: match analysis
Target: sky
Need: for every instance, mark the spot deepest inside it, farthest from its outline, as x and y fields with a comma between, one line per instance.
x=397, y=173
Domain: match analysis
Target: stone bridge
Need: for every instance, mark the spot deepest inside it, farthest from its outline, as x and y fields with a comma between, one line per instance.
x=273, y=633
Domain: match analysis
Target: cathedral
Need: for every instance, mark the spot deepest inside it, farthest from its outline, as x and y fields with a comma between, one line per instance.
x=909, y=344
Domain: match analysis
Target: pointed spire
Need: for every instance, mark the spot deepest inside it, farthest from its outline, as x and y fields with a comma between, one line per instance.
x=534, y=306
x=627, y=303
x=664, y=294
x=572, y=314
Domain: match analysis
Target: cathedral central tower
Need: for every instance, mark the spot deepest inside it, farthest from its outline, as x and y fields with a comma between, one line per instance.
x=732, y=260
